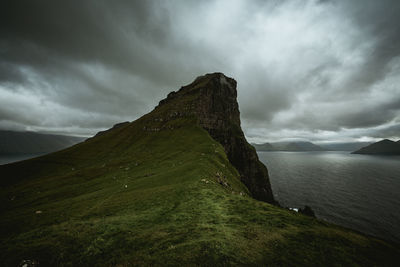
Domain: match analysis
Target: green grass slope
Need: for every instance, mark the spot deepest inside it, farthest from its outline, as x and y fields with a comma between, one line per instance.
x=159, y=197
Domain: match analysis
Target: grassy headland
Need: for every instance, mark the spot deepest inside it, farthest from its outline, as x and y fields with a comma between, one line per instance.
x=157, y=192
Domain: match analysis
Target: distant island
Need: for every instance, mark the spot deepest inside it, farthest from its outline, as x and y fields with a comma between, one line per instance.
x=384, y=147
x=18, y=143
x=298, y=146
x=288, y=146
x=344, y=146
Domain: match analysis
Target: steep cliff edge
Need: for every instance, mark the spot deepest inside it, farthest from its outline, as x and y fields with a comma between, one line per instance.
x=213, y=101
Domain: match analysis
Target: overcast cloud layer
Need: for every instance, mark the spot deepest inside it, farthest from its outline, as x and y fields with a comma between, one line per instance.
x=315, y=70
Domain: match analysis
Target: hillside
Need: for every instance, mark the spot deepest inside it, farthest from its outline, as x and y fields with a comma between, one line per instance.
x=12, y=143
x=171, y=188
x=263, y=147
x=384, y=147
x=295, y=146
x=346, y=146
x=309, y=146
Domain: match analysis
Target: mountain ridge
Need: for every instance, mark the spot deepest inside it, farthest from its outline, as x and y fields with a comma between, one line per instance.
x=345, y=146
x=383, y=147
x=13, y=142
x=291, y=146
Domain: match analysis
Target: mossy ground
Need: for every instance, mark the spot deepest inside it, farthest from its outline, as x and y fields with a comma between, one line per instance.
x=133, y=197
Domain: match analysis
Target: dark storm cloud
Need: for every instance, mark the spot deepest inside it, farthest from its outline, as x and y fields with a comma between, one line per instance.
x=357, y=88
x=305, y=69
x=9, y=72
x=378, y=20
x=61, y=48
x=37, y=33
x=84, y=30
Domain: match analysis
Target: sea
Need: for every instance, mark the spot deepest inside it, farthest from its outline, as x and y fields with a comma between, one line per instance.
x=361, y=192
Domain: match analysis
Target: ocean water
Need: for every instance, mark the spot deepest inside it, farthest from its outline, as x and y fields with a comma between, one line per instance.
x=4, y=159
x=361, y=192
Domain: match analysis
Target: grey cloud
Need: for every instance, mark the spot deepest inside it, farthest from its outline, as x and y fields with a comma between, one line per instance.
x=305, y=69
x=378, y=21
x=86, y=31
x=10, y=72
x=391, y=132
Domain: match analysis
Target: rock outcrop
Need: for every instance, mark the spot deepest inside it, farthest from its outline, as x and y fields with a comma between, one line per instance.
x=307, y=211
x=212, y=100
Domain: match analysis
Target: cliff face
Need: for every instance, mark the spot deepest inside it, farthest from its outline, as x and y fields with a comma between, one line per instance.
x=213, y=103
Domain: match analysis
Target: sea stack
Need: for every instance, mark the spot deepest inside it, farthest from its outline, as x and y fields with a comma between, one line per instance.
x=212, y=100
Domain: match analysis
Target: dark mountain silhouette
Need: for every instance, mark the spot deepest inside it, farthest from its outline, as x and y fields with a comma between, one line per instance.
x=384, y=147
x=346, y=146
x=263, y=147
x=309, y=146
x=12, y=143
x=288, y=146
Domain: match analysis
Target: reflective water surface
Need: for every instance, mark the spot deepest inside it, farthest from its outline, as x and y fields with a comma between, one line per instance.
x=357, y=191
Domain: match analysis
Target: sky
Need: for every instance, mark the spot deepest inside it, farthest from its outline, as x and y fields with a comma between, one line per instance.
x=323, y=71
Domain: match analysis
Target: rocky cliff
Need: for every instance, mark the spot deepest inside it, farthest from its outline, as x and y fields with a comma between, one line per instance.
x=211, y=99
